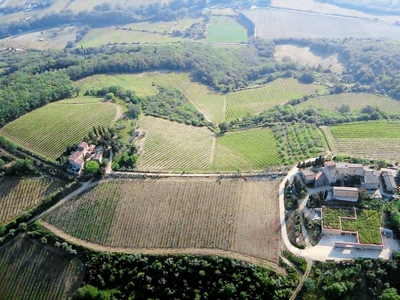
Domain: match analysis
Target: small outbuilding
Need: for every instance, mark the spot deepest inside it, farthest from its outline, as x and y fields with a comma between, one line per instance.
x=349, y=194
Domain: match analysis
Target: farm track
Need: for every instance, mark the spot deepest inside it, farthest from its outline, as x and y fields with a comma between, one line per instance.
x=164, y=252
x=305, y=275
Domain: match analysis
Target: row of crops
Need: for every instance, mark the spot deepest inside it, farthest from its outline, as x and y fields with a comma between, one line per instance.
x=175, y=213
x=376, y=140
x=147, y=214
x=255, y=101
x=170, y=145
x=20, y=194
x=29, y=271
x=246, y=151
x=354, y=101
x=298, y=141
x=48, y=131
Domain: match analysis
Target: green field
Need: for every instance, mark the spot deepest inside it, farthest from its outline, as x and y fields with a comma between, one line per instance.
x=246, y=151
x=30, y=271
x=375, y=140
x=176, y=147
x=49, y=130
x=225, y=30
x=254, y=101
x=173, y=146
x=20, y=194
x=355, y=101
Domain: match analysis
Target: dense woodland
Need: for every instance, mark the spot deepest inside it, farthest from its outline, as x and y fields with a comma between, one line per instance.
x=361, y=279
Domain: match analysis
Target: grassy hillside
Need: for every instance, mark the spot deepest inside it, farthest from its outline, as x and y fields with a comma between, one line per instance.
x=177, y=213
x=255, y=101
x=354, y=101
x=48, y=131
x=378, y=140
x=28, y=270
x=246, y=151
x=20, y=194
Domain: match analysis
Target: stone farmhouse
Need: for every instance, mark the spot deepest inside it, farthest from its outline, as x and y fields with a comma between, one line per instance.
x=77, y=159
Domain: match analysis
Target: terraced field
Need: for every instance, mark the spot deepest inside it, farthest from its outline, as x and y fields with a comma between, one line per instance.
x=20, y=194
x=48, y=131
x=377, y=140
x=246, y=151
x=30, y=271
x=173, y=146
x=355, y=102
x=255, y=101
x=235, y=215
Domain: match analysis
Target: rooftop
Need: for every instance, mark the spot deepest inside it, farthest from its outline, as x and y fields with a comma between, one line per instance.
x=345, y=192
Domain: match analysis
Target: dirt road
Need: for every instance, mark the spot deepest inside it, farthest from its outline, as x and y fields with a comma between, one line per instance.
x=167, y=251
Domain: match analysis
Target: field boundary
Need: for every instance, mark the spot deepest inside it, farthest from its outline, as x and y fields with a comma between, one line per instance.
x=163, y=251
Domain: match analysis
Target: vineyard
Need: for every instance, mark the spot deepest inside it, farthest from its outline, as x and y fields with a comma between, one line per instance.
x=49, y=130
x=170, y=146
x=235, y=215
x=354, y=101
x=298, y=142
x=275, y=24
x=173, y=146
x=246, y=151
x=20, y=194
x=255, y=101
x=215, y=107
x=376, y=140
x=305, y=57
x=30, y=271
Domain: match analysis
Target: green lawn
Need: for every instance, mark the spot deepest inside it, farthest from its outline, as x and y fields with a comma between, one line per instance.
x=49, y=130
x=246, y=151
x=225, y=30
